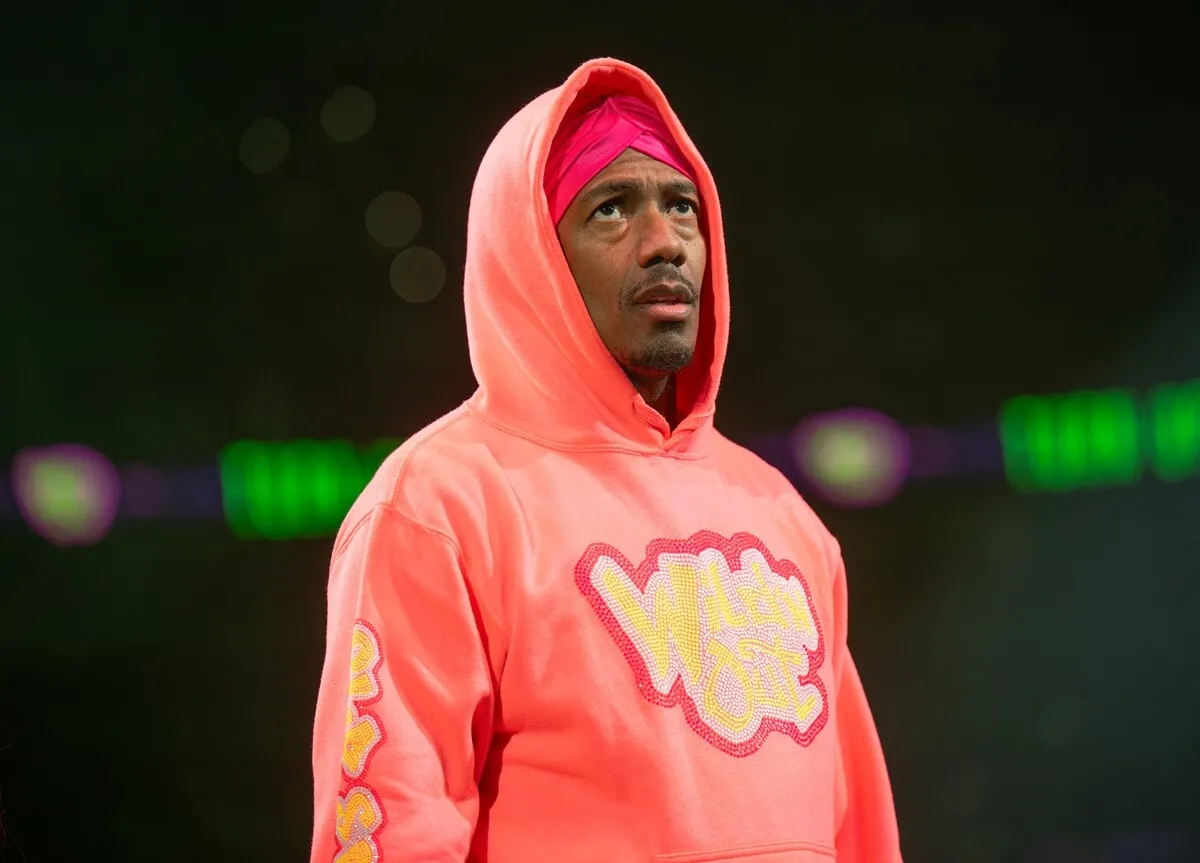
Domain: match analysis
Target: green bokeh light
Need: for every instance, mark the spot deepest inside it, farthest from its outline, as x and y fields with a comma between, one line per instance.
x=853, y=457
x=61, y=494
x=847, y=455
x=1093, y=438
x=296, y=488
x=1174, y=411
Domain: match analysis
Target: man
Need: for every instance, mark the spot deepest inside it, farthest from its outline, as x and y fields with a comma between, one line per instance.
x=570, y=621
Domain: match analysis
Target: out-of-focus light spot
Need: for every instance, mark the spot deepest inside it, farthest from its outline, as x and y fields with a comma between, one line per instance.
x=853, y=458
x=67, y=493
x=146, y=491
x=1077, y=439
x=934, y=452
x=1174, y=411
x=417, y=274
x=294, y=488
x=348, y=114
x=198, y=492
x=264, y=145
x=393, y=219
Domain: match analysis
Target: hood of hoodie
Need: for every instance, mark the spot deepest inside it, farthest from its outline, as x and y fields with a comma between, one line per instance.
x=543, y=371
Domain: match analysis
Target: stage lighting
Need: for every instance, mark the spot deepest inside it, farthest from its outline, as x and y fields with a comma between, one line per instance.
x=853, y=458
x=67, y=493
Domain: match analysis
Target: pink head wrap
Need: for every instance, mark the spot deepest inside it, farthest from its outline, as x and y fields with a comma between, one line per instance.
x=588, y=142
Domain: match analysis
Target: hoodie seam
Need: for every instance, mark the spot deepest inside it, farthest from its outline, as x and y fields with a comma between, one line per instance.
x=468, y=583
x=433, y=431
x=565, y=447
x=454, y=547
x=460, y=413
x=347, y=532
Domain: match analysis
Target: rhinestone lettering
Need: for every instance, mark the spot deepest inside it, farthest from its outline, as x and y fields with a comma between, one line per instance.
x=720, y=628
x=359, y=815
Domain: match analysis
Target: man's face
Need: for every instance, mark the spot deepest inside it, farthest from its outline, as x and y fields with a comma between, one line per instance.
x=633, y=241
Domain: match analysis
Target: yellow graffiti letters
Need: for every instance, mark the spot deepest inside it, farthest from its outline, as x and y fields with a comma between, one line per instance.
x=771, y=685
x=797, y=605
x=715, y=583
x=359, y=815
x=740, y=644
x=760, y=598
x=362, y=851
x=362, y=736
x=666, y=614
x=729, y=673
x=363, y=733
x=364, y=660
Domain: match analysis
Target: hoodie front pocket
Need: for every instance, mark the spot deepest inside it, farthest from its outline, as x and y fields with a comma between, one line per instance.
x=786, y=852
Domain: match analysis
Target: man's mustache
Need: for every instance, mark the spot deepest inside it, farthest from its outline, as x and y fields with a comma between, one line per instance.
x=663, y=274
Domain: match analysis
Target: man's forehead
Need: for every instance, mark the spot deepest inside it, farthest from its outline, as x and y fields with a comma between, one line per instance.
x=636, y=162
x=635, y=169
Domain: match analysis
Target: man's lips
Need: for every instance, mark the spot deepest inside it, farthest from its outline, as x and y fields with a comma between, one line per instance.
x=667, y=301
x=665, y=294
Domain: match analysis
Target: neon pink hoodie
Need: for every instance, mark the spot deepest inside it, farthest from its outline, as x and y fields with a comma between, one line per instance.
x=560, y=631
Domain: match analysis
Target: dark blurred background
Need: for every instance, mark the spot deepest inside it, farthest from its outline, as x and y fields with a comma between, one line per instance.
x=247, y=224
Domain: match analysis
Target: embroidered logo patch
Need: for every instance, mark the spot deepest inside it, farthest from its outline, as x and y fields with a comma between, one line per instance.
x=363, y=732
x=719, y=628
x=359, y=815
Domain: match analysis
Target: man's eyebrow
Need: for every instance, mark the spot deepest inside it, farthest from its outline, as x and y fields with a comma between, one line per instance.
x=682, y=187
x=619, y=186
x=612, y=188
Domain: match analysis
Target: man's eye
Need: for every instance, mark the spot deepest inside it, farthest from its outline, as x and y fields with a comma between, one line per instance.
x=608, y=210
x=685, y=206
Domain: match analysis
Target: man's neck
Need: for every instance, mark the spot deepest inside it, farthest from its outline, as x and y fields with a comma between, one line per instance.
x=659, y=393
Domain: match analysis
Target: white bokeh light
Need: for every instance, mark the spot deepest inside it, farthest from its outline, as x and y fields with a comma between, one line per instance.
x=264, y=145
x=417, y=274
x=348, y=114
x=393, y=219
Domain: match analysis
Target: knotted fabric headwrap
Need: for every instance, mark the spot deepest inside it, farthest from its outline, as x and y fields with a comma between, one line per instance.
x=587, y=143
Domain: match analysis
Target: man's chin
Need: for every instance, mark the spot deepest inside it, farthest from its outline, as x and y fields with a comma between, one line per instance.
x=662, y=356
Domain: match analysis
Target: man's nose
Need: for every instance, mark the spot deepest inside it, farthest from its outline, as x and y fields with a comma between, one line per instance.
x=659, y=241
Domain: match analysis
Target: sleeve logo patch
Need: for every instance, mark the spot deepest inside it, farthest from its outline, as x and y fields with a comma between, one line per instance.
x=720, y=628
x=363, y=732
x=358, y=819
x=359, y=815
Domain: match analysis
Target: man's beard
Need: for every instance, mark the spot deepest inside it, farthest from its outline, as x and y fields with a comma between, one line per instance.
x=666, y=352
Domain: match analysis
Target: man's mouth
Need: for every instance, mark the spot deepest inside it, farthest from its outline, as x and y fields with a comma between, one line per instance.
x=667, y=306
x=667, y=294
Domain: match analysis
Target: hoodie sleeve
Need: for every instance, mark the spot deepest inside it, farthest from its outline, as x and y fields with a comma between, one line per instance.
x=866, y=815
x=404, y=710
